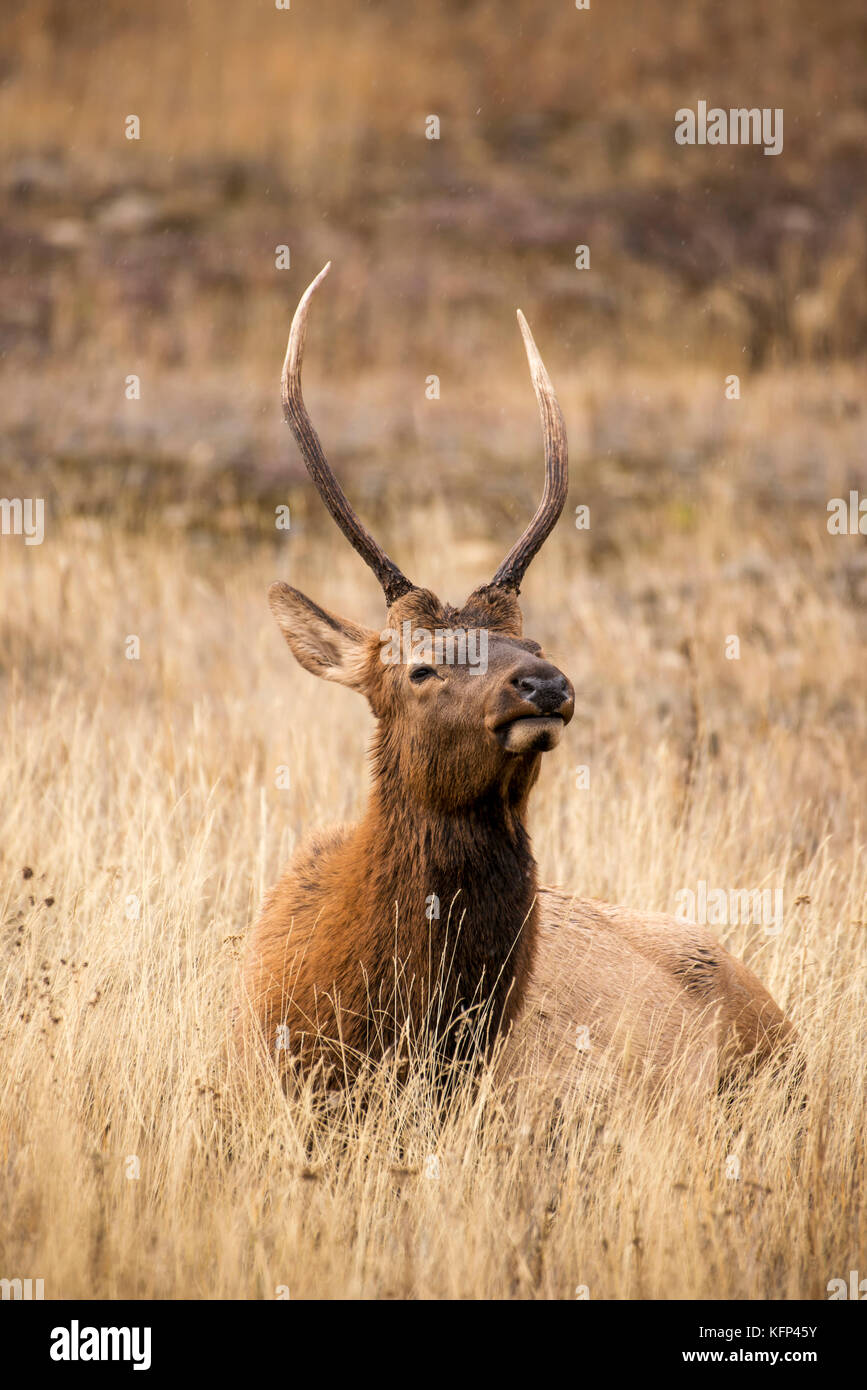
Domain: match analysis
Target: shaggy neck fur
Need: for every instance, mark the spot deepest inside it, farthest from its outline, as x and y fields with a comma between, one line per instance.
x=476, y=861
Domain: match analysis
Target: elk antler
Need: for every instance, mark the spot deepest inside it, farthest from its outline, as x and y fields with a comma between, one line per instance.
x=392, y=581
x=514, y=567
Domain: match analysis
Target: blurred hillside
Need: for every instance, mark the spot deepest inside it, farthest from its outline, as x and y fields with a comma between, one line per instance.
x=306, y=128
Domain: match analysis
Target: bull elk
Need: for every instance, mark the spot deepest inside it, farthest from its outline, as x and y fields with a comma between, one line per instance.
x=347, y=956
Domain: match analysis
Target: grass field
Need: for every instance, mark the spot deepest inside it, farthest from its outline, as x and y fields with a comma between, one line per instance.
x=139, y=798
x=140, y=817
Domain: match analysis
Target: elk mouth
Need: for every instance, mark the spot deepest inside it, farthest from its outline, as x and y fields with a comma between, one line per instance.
x=534, y=733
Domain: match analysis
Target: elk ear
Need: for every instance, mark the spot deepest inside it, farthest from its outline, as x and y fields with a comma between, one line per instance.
x=322, y=643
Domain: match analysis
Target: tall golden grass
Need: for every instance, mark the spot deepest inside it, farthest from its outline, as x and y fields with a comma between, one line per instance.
x=141, y=794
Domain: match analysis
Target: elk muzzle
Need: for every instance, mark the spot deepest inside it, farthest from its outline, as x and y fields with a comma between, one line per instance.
x=534, y=705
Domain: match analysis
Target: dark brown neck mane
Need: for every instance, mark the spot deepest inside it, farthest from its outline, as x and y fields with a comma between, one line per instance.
x=474, y=865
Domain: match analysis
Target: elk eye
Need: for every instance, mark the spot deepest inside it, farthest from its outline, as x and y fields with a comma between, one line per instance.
x=421, y=673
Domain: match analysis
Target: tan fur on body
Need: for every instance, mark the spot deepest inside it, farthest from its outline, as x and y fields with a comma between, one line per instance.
x=648, y=990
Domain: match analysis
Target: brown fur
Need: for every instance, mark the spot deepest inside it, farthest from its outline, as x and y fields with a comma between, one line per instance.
x=343, y=955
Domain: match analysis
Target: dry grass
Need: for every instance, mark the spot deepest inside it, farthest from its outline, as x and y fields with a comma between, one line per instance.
x=154, y=780
x=142, y=794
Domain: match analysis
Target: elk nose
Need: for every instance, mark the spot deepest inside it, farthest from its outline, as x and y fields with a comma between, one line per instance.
x=548, y=691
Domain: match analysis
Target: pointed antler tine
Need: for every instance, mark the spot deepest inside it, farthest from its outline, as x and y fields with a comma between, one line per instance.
x=392, y=581
x=514, y=567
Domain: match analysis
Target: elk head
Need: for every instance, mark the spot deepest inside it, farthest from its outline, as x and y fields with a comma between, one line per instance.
x=465, y=704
